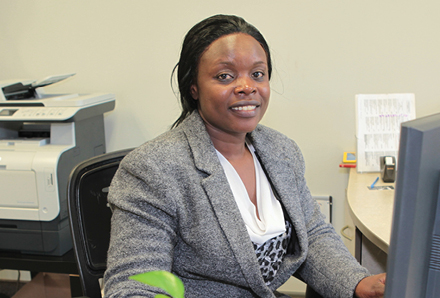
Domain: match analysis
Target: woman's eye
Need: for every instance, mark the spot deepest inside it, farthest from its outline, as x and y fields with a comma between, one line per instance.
x=258, y=74
x=224, y=77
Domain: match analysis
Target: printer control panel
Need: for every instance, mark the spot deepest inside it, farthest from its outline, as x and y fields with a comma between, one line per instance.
x=36, y=113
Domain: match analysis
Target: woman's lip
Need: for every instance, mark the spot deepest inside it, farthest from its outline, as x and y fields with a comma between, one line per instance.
x=244, y=108
x=245, y=105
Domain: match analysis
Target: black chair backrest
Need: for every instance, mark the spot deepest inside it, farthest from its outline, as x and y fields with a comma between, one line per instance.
x=90, y=216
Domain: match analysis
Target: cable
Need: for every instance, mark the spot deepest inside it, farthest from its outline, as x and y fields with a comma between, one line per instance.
x=18, y=281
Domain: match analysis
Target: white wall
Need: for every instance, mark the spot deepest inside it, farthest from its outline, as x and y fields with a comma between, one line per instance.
x=324, y=53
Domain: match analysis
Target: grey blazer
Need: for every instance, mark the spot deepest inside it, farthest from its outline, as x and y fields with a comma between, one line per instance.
x=174, y=211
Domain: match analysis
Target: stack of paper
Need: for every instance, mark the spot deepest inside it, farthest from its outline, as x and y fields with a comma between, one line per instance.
x=378, y=119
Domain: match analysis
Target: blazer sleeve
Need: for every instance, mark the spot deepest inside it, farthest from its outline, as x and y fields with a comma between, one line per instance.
x=142, y=210
x=329, y=267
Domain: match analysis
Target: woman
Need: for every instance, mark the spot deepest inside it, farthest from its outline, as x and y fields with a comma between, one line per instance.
x=220, y=200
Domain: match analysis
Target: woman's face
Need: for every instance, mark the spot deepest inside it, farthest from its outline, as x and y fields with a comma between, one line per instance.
x=232, y=85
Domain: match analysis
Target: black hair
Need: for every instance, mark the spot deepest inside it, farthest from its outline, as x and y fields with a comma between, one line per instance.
x=194, y=45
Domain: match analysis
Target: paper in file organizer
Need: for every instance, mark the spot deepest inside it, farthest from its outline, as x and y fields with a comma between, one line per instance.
x=378, y=119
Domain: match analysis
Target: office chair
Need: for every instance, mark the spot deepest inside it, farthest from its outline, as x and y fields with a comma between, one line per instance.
x=90, y=217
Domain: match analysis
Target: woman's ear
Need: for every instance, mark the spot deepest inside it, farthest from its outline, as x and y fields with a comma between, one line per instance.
x=194, y=92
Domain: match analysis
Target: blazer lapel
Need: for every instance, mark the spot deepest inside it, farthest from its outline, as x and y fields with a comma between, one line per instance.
x=223, y=203
x=278, y=168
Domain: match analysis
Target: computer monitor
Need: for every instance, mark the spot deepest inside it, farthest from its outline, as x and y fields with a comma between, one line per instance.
x=413, y=266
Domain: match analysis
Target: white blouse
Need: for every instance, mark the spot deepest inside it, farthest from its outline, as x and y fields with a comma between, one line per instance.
x=271, y=222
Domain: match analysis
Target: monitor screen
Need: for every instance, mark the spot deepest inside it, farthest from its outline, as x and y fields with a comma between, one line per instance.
x=413, y=266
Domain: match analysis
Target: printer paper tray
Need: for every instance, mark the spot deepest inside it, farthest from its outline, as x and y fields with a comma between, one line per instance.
x=18, y=199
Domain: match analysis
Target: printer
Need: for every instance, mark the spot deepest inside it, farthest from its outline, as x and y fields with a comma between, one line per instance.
x=42, y=138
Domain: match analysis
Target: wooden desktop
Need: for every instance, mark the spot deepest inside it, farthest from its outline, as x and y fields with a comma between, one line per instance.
x=371, y=213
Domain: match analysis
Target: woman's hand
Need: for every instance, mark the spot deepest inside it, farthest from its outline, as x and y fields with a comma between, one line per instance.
x=371, y=286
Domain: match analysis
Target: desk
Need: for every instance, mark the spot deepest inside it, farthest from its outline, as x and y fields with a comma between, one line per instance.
x=39, y=263
x=371, y=212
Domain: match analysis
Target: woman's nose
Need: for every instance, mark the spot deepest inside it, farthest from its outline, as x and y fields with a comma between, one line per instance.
x=245, y=86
